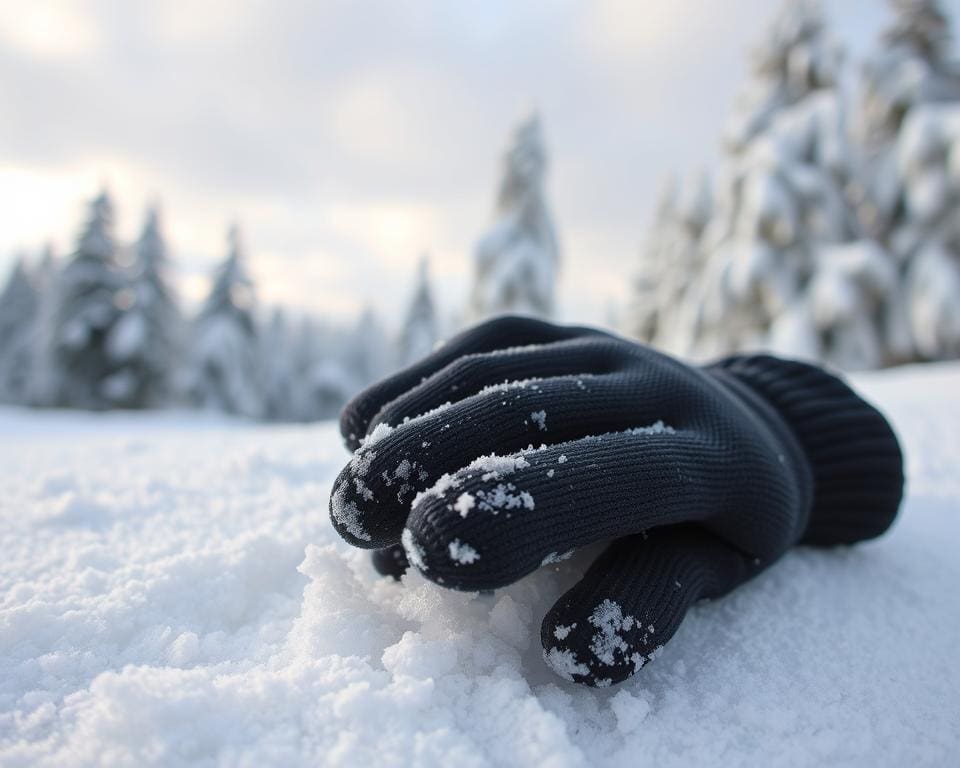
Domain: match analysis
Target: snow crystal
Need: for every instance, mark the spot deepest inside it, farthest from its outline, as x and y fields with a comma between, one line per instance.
x=444, y=483
x=608, y=618
x=657, y=428
x=504, y=496
x=379, y=432
x=465, y=502
x=540, y=419
x=494, y=467
x=564, y=663
x=347, y=514
x=427, y=414
x=560, y=631
x=553, y=557
x=462, y=554
x=413, y=550
x=550, y=472
x=562, y=459
x=361, y=461
x=509, y=385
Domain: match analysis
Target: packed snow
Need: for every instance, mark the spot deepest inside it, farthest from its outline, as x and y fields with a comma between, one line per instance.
x=172, y=592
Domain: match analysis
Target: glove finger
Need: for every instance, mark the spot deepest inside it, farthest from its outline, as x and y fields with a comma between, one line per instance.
x=390, y=561
x=469, y=375
x=499, y=333
x=632, y=599
x=372, y=496
x=501, y=518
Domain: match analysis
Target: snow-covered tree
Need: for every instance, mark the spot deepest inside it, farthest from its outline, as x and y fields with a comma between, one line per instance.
x=85, y=313
x=929, y=161
x=781, y=202
x=42, y=385
x=365, y=351
x=643, y=318
x=796, y=58
x=224, y=371
x=755, y=260
x=420, y=331
x=664, y=302
x=146, y=340
x=910, y=66
x=19, y=306
x=516, y=261
x=909, y=108
x=280, y=373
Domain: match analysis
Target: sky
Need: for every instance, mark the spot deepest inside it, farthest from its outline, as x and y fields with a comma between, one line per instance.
x=350, y=138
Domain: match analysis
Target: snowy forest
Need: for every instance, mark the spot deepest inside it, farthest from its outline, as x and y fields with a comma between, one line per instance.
x=828, y=231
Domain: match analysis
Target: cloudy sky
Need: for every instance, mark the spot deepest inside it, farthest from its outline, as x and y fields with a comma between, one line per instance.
x=350, y=137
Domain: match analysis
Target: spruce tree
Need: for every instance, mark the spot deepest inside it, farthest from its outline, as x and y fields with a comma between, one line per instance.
x=224, y=372
x=146, y=340
x=907, y=128
x=646, y=306
x=516, y=261
x=785, y=241
x=42, y=384
x=420, y=331
x=19, y=307
x=86, y=309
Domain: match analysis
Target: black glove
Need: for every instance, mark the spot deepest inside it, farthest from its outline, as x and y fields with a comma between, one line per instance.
x=520, y=441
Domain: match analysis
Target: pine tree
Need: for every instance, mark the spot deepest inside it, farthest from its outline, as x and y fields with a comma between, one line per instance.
x=682, y=259
x=643, y=319
x=224, y=371
x=19, y=306
x=146, y=340
x=42, y=380
x=420, y=332
x=364, y=351
x=797, y=58
x=815, y=245
x=85, y=312
x=516, y=261
x=785, y=241
x=908, y=125
x=288, y=351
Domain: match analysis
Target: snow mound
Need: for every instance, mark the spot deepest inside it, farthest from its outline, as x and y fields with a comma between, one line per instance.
x=171, y=592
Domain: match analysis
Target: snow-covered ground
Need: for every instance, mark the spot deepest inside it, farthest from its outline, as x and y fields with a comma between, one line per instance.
x=171, y=592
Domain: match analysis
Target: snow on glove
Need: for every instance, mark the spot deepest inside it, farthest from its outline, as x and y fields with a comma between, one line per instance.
x=519, y=442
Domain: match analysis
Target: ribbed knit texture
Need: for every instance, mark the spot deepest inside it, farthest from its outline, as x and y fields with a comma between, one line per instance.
x=854, y=455
x=521, y=441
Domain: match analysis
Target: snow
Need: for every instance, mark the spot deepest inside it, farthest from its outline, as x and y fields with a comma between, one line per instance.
x=462, y=554
x=464, y=503
x=172, y=592
x=504, y=496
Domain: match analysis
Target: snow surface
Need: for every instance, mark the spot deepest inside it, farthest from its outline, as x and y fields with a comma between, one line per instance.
x=171, y=592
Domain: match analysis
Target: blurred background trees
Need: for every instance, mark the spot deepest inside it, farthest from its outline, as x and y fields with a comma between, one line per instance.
x=829, y=229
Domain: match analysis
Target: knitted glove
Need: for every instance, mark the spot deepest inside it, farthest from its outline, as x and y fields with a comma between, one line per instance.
x=520, y=441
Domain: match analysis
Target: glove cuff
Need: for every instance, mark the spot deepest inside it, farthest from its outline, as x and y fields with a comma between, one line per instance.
x=854, y=456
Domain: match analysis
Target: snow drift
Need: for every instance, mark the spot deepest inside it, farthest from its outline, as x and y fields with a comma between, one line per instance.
x=172, y=593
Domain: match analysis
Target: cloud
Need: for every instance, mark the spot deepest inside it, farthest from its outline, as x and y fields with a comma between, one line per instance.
x=49, y=29
x=349, y=137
